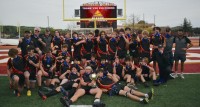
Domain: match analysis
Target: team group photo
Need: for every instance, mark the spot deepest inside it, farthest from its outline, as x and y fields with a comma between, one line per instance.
x=103, y=58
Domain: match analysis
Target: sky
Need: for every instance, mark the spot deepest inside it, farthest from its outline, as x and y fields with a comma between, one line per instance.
x=34, y=12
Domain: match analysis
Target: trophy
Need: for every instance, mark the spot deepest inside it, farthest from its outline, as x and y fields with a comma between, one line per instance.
x=93, y=76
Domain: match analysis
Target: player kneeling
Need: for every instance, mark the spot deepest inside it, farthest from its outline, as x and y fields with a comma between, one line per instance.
x=15, y=70
x=113, y=87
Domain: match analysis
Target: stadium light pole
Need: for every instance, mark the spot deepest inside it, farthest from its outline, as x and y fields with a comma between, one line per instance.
x=154, y=19
x=48, y=21
x=1, y=30
x=18, y=29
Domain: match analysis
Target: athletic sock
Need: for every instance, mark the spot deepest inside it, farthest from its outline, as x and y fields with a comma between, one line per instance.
x=146, y=95
x=141, y=99
x=97, y=100
x=51, y=93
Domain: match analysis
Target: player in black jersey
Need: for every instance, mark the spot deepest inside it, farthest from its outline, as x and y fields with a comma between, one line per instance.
x=88, y=86
x=32, y=62
x=156, y=39
x=102, y=46
x=15, y=70
x=109, y=85
x=112, y=46
x=145, y=45
x=69, y=87
x=122, y=44
x=25, y=42
x=47, y=68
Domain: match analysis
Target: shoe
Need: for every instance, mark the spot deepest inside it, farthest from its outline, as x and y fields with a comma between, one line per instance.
x=29, y=93
x=172, y=76
x=175, y=75
x=64, y=101
x=42, y=95
x=98, y=104
x=145, y=101
x=182, y=76
x=146, y=84
x=150, y=94
x=156, y=83
x=64, y=92
x=16, y=92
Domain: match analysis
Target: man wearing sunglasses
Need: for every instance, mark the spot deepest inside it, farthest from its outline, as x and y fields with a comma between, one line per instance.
x=39, y=41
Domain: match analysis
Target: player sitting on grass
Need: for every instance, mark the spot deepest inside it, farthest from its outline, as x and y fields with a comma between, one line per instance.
x=71, y=85
x=111, y=85
x=147, y=71
x=16, y=71
x=47, y=68
x=88, y=86
x=131, y=73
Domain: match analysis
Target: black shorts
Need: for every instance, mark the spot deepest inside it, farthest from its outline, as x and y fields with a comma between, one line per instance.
x=51, y=75
x=115, y=89
x=154, y=54
x=181, y=57
x=21, y=78
x=147, y=78
x=68, y=85
x=87, y=56
x=87, y=89
x=32, y=75
x=121, y=54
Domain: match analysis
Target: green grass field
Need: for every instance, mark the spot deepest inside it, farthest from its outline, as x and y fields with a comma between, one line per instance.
x=176, y=93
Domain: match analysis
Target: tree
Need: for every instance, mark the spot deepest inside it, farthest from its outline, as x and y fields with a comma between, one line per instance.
x=187, y=27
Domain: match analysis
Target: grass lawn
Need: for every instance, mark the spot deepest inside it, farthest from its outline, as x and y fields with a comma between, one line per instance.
x=176, y=93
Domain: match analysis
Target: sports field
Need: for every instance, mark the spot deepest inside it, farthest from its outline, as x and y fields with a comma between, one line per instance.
x=176, y=93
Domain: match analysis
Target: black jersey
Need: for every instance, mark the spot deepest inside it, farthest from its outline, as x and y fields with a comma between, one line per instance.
x=26, y=42
x=121, y=43
x=17, y=65
x=112, y=46
x=72, y=76
x=48, y=62
x=36, y=41
x=157, y=39
x=145, y=69
x=133, y=47
x=129, y=70
x=88, y=46
x=86, y=78
x=145, y=45
x=57, y=42
x=29, y=67
x=119, y=69
x=64, y=67
x=105, y=80
x=102, y=45
x=69, y=44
